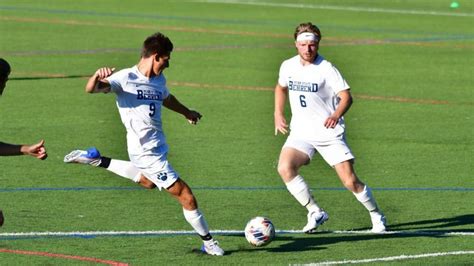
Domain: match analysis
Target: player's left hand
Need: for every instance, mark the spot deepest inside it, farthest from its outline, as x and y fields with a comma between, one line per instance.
x=193, y=117
x=331, y=121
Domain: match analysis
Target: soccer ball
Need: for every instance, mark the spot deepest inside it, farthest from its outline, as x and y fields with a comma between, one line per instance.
x=259, y=231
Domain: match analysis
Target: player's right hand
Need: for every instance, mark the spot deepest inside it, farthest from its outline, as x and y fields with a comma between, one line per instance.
x=104, y=72
x=280, y=125
x=36, y=150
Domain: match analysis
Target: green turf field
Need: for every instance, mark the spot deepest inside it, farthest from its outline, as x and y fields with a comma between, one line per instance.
x=409, y=64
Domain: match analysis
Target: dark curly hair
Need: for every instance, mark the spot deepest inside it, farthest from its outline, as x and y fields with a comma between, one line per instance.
x=157, y=43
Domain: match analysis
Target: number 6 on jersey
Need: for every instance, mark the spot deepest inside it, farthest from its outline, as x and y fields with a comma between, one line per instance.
x=302, y=100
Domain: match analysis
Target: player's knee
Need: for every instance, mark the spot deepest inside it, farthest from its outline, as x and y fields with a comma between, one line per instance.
x=149, y=186
x=144, y=182
x=352, y=185
x=285, y=170
x=188, y=201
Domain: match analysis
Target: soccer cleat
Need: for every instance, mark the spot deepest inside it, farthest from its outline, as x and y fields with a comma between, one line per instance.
x=211, y=247
x=315, y=219
x=379, y=222
x=90, y=156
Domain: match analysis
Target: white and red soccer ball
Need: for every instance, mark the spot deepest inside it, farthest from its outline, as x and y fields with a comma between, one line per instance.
x=259, y=231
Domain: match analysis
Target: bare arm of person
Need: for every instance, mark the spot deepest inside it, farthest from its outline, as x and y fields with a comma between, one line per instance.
x=173, y=104
x=345, y=102
x=98, y=82
x=281, y=93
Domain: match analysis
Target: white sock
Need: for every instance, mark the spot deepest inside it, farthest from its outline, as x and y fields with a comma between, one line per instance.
x=197, y=221
x=365, y=197
x=300, y=190
x=124, y=169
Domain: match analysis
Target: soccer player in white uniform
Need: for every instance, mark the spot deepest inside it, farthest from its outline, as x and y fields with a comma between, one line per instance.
x=140, y=93
x=319, y=97
x=36, y=150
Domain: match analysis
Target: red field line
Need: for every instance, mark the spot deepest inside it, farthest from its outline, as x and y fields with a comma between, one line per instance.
x=252, y=88
x=399, y=99
x=63, y=256
x=142, y=26
x=218, y=86
x=360, y=96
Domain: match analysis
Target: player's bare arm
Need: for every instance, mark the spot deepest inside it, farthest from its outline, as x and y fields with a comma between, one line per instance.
x=279, y=116
x=36, y=150
x=98, y=81
x=173, y=104
x=345, y=102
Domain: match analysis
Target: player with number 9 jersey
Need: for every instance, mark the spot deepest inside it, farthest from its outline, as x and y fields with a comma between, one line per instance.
x=139, y=101
x=141, y=93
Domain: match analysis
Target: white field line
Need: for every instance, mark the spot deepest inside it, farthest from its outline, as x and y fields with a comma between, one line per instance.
x=344, y=8
x=394, y=258
x=217, y=232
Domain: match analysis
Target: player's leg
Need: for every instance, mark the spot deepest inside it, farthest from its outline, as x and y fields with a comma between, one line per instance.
x=363, y=194
x=182, y=192
x=122, y=168
x=349, y=179
x=127, y=170
x=290, y=162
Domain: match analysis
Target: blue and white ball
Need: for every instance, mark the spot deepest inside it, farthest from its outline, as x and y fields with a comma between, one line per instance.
x=259, y=231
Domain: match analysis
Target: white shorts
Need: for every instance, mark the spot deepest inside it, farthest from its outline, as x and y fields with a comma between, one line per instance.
x=147, y=150
x=333, y=153
x=156, y=168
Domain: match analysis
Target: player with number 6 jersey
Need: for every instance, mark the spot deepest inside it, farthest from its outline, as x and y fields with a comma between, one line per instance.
x=311, y=90
x=319, y=97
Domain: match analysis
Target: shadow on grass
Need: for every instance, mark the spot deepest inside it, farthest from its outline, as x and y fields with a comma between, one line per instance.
x=435, y=228
x=50, y=77
x=437, y=225
x=318, y=241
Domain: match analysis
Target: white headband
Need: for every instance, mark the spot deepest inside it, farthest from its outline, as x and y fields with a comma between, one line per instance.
x=307, y=36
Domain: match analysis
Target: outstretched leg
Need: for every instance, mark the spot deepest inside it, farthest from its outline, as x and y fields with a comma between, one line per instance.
x=179, y=190
x=121, y=168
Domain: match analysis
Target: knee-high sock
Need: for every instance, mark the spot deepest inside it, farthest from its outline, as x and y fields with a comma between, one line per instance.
x=197, y=221
x=300, y=190
x=124, y=169
x=367, y=199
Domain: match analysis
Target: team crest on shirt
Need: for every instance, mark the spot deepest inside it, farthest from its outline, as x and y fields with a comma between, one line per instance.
x=132, y=76
x=162, y=176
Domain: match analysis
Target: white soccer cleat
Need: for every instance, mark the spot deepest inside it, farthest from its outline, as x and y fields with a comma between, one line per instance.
x=90, y=156
x=379, y=222
x=315, y=219
x=211, y=247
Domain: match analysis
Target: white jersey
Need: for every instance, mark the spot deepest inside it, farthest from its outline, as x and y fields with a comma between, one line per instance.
x=313, y=98
x=139, y=100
